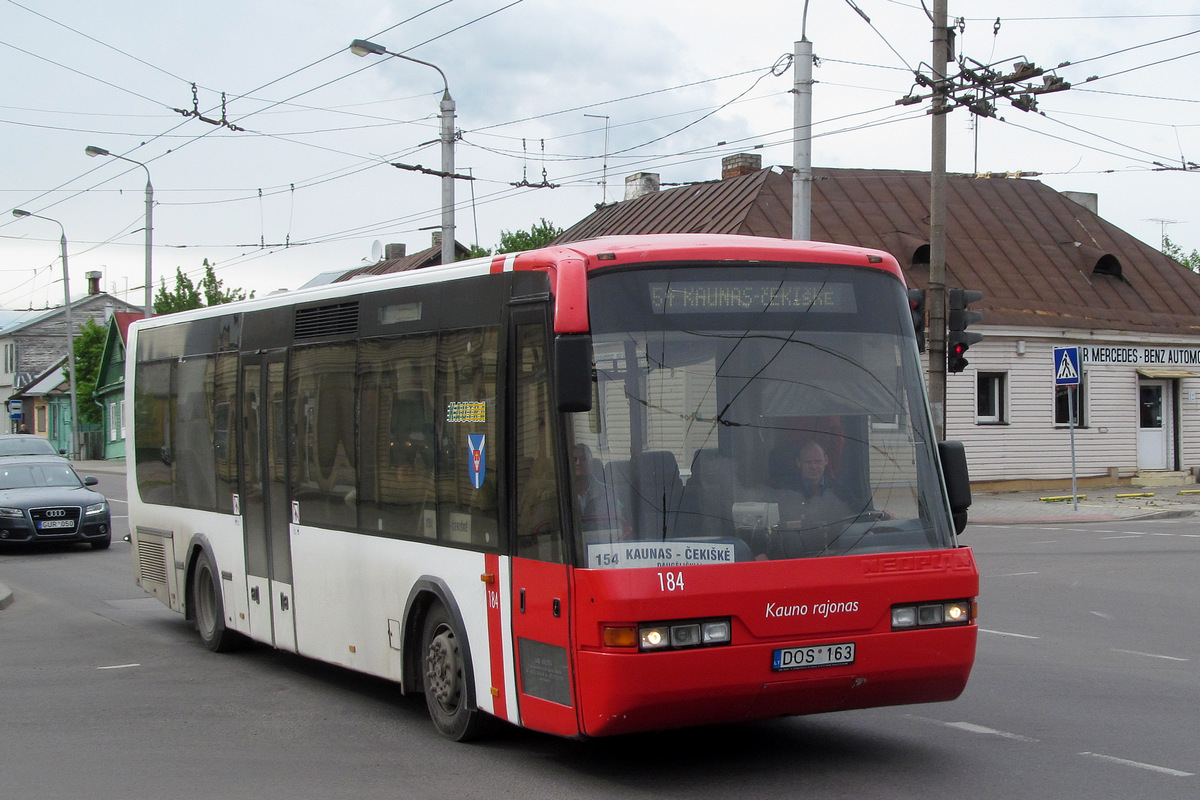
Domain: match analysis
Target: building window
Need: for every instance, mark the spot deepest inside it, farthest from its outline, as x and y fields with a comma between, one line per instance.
x=1078, y=399
x=40, y=413
x=121, y=416
x=991, y=403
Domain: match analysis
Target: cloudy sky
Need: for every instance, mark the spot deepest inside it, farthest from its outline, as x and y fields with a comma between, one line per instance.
x=290, y=175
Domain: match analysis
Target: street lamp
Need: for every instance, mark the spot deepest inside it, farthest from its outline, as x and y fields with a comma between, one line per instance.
x=70, y=331
x=361, y=47
x=93, y=151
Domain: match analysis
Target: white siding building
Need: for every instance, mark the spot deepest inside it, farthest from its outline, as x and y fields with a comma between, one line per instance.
x=1052, y=272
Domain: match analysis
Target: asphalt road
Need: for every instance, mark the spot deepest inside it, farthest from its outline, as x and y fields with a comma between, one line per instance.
x=1087, y=685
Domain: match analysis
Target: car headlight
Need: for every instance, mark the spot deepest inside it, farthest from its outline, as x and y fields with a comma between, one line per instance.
x=95, y=508
x=11, y=513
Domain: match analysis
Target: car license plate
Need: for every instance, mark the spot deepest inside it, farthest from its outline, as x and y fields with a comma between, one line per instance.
x=822, y=655
x=56, y=523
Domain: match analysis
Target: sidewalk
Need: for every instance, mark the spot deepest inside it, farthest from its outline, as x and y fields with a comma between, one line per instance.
x=1103, y=504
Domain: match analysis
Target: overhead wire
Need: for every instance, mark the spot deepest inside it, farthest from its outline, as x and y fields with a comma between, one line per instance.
x=371, y=164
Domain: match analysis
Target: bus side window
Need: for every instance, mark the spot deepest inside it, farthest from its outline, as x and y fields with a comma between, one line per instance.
x=538, y=527
x=468, y=448
x=324, y=468
x=397, y=443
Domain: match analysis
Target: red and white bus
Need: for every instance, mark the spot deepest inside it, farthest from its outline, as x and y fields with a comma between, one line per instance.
x=618, y=485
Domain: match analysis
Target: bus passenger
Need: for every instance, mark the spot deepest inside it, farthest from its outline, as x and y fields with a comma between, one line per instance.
x=591, y=493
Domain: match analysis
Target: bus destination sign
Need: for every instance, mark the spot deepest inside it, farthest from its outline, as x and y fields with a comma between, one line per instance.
x=739, y=297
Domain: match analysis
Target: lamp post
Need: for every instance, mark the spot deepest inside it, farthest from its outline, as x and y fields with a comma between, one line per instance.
x=70, y=330
x=93, y=151
x=361, y=47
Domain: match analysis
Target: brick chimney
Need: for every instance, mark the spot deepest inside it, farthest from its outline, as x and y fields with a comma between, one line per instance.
x=394, y=251
x=93, y=279
x=437, y=238
x=640, y=183
x=740, y=164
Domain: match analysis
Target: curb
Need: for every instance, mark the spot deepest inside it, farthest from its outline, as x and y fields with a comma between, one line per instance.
x=6, y=596
x=1168, y=514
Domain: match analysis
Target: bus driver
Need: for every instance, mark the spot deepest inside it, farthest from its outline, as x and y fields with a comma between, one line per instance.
x=815, y=501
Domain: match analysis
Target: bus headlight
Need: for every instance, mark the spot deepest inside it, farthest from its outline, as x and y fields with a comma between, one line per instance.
x=683, y=635
x=941, y=614
x=654, y=638
x=716, y=632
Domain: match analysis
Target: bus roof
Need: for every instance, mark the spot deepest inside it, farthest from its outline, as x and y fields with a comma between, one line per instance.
x=568, y=265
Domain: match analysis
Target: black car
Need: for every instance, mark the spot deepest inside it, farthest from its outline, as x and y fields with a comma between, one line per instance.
x=26, y=444
x=42, y=499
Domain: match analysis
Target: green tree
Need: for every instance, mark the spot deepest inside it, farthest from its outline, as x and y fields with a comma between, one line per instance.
x=538, y=235
x=187, y=294
x=214, y=292
x=89, y=348
x=1191, y=261
x=184, y=296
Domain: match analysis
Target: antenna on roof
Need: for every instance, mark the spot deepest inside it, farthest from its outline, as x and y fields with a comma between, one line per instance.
x=1162, y=227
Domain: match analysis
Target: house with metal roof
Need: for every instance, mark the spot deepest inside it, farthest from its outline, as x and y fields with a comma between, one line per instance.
x=395, y=258
x=110, y=384
x=1053, y=272
x=35, y=340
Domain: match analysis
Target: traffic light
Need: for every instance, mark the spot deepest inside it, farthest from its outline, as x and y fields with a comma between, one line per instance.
x=957, y=338
x=916, y=304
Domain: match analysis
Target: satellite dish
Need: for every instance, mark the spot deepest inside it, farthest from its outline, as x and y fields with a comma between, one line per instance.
x=376, y=251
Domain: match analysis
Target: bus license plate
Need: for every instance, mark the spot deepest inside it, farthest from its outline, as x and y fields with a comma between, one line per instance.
x=823, y=655
x=56, y=523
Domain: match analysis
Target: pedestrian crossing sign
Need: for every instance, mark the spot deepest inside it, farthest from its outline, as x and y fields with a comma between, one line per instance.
x=1066, y=366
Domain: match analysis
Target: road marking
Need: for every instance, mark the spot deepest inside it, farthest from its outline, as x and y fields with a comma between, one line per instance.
x=1013, y=574
x=1147, y=655
x=1003, y=633
x=120, y=666
x=971, y=727
x=1178, y=773
x=1127, y=536
x=1102, y=615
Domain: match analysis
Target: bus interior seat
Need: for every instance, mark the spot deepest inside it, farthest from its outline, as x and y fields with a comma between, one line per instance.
x=657, y=494
x=706, y=508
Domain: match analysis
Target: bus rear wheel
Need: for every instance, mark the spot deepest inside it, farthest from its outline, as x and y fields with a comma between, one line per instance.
x=209, y=609
x=445, y=679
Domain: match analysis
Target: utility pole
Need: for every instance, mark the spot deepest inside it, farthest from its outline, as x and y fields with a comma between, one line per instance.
x=802, y=64
x=936, y=297
x=976, y=87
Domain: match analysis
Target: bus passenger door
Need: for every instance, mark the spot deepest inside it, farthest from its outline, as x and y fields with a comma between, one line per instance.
x=541, y=602
x=265, y=517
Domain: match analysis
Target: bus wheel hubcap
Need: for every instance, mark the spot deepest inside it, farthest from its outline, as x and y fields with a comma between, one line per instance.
x=443, y=669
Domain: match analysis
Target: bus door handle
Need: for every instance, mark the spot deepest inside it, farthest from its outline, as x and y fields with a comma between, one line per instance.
x=557, y=607
x=283, y=602
x=254, y=594
x=522, y=601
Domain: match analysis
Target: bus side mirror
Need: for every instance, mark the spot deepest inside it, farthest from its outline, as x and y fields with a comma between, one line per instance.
x=573, y=371
x=958, y=482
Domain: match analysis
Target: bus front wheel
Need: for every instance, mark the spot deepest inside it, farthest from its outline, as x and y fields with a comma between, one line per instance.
x=445, y=679
x=208, y=607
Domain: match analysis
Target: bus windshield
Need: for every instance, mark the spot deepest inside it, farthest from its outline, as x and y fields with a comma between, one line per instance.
x=753, y=412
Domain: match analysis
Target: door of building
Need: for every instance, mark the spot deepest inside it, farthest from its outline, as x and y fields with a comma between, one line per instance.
x=1154, y=423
